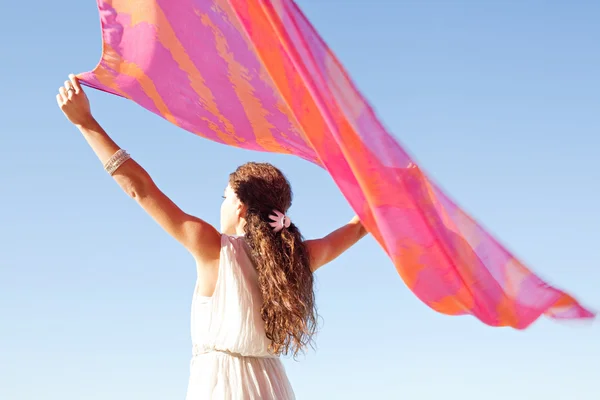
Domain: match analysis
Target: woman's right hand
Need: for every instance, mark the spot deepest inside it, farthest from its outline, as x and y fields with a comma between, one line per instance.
x=74, y=103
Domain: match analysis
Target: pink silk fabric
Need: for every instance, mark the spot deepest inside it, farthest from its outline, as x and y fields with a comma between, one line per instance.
x=257, y=75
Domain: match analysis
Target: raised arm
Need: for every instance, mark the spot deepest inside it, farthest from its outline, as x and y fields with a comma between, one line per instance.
x=196, y=235
x=328, y=248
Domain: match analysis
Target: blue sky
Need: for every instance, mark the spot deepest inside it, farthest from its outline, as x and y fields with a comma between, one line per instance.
x=499, y=101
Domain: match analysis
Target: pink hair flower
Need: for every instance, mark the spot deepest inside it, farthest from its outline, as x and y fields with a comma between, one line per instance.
x=280, y=221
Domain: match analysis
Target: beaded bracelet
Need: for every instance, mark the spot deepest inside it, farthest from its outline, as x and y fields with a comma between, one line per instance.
x=116, y=161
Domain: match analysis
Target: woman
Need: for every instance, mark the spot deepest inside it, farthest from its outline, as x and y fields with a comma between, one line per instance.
x=254, y=296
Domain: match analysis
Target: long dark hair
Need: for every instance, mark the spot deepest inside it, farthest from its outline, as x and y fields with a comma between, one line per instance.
x=281, y=258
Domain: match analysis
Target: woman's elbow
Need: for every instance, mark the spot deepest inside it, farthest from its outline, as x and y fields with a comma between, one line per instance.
x=136, y=186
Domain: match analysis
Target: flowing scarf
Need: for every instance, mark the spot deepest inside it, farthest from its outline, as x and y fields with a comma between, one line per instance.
x=256, y=74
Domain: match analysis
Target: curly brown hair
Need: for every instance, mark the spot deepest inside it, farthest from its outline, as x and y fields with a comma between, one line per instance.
x=281, y=258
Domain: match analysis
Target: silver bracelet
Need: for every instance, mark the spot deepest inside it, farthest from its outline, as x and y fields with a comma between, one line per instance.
x=112, y=165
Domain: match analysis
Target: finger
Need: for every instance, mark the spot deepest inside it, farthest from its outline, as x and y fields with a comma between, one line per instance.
x=61, y=100
x=75, y=83
x=69, y=89
x=63, y=93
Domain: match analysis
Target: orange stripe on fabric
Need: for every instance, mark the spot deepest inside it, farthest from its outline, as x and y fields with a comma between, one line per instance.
x=138, y=10
x=147, y=85
x=141, y=12
x=515, y=274
x=409, y=257
x=104, y=76
x=565, y=300
x=270, y=50
x=274, y=73
x=107, y=79
x=134, y=71
x=253, y=108
x=229, y=16
x=453, y=304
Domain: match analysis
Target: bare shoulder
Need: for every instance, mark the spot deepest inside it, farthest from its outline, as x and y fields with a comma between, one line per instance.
x=203, y=241
x=207, y=269
x=319, y=252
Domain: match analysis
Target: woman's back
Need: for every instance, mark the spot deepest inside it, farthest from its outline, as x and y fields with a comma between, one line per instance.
x=231, y=357
x=232, y=342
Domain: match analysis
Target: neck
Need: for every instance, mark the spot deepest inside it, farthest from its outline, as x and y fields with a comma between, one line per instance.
x=239, y=229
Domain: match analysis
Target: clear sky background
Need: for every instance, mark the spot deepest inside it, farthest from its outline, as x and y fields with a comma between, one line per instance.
x=498, y=100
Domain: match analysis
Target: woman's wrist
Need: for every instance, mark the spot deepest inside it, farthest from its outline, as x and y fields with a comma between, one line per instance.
x=361, y=229
x=87, y=123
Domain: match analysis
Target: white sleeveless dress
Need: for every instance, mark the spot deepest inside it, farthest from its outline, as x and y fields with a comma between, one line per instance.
x=230, y=357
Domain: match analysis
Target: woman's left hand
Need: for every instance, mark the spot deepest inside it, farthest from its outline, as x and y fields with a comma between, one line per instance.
x=74, y=103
